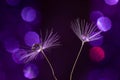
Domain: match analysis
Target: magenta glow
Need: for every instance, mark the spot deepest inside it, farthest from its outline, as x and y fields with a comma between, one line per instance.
x=97, y=54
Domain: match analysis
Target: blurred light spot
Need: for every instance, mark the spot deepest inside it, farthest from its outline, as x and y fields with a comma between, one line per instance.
x=94, y=15
x=98, y=42
x=31, y=38
x=111, y=2
x=17, y=55
x=13, y=2
x=11, y=44
x=28, y=14
x=96, y=54
x=104, y=23
x=30, y=71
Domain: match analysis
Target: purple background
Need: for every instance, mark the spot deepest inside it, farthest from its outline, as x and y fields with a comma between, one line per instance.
x=58, y=14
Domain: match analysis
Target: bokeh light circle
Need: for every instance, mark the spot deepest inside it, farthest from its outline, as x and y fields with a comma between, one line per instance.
x=17, y=55
x=104, y=23
x=94, y=15
x=28, y=14
x=97, y=54
x=31, y=38
x=111, y=2
x=30, y=71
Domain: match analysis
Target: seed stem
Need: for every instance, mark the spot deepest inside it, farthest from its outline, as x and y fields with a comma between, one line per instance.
x=71, y=74
x=53, y=73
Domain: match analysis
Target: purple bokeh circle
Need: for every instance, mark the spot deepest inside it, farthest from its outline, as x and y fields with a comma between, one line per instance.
x=31, y=38
x=111, y=2
x=17, y=56
x=104, y=23
x=28, y=14
x=30, y=71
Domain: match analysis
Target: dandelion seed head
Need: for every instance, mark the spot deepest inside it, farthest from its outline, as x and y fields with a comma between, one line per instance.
x=35, y=47
x=51, y=40
x=85, y=31
x=30, y=56
x=85, y=38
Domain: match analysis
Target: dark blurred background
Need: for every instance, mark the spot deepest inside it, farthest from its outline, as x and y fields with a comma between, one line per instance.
x=17, y=17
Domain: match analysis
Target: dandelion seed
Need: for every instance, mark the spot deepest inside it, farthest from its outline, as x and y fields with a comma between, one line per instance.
x=51, y=40
x=86, y=32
